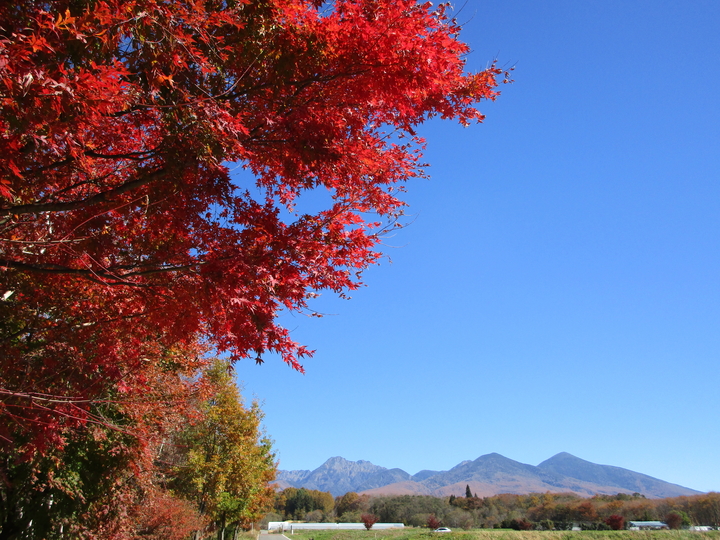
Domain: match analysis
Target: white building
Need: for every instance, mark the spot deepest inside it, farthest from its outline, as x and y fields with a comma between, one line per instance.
x=290, y=526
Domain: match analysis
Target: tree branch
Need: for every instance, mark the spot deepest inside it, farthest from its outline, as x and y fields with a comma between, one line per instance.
x=90, y=201
x=107, y=276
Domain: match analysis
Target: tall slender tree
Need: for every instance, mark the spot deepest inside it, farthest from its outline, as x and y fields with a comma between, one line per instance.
x=223, y=462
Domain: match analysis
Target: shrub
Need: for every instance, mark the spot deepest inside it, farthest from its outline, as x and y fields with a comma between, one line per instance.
x=368, y=520
x=547, y=524
x=433, y=522
x=673, y=520
x=616, y=522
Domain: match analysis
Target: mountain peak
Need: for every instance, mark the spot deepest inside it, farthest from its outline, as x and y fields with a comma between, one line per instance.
x=490, y=474
x=493, y=456
x=461, y=464
x=339, y=476
x=562, y=456
x=336, y=460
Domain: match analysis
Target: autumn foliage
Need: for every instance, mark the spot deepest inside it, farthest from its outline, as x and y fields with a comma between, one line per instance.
x=673, y=520
x=368, y=520
x=123, y=232
x=222, y=461
x=539, y=511
x=433, y=522
x=615, y=522
x=161, y=516
x=153, y=161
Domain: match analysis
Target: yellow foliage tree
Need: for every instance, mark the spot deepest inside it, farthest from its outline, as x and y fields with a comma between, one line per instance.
x=226, y=462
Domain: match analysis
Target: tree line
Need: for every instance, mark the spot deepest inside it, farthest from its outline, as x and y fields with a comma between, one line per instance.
x=523, y=512
x=202, y=467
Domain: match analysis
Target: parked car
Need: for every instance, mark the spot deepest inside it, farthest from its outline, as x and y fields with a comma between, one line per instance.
x=442, y=529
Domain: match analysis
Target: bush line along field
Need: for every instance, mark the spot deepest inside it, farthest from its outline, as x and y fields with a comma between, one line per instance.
x=535, y=511
x=494, y=534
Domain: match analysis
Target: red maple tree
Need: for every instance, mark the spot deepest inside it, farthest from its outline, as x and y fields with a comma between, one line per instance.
x=433, y=522
x=616, y=522
x=125, y=241
x=368, y=520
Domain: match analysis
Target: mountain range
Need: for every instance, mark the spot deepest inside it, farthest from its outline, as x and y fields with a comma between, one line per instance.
x=488, y=475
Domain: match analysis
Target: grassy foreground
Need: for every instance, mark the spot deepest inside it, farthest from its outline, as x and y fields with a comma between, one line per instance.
x=490, y=534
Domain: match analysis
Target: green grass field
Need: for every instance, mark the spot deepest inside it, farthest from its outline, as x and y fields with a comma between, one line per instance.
x=491, y=534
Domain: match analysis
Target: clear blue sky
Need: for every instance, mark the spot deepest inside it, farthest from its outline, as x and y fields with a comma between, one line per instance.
x=559, y=286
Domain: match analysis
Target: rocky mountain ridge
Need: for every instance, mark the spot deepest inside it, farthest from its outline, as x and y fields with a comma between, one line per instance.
x=487, y=475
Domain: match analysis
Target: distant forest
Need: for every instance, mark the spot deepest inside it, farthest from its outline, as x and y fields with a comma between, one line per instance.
x=523, y=512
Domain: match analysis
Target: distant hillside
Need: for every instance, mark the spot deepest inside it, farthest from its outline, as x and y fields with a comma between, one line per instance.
x=488, y=475
x=567, y=465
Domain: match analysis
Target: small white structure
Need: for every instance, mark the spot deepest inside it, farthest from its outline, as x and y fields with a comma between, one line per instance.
x=647, y=525
x=290, y=526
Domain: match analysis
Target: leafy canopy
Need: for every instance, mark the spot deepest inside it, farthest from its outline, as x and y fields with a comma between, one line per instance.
x=123, y=236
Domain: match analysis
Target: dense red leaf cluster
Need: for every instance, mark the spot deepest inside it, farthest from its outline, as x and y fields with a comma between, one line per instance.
x=125, y=241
